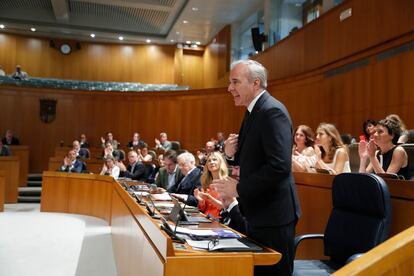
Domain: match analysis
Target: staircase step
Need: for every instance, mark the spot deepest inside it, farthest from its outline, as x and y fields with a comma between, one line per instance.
x=35, y=176
x=30, y=191
x=28, y=199
x=34, y=183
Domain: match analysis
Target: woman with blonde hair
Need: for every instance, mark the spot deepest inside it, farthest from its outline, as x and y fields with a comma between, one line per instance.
x=208, y=199
x=303, y=154
x=331, y=152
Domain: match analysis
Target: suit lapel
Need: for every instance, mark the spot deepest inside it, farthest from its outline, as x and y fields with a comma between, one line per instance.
x=248, y=121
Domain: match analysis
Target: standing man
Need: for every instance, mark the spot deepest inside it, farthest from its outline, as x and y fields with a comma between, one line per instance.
x=262, y=149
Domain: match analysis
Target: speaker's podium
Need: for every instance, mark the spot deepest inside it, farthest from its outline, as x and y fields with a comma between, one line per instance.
x=140, y=247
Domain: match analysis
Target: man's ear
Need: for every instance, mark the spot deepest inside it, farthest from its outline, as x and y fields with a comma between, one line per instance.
x=256, y=83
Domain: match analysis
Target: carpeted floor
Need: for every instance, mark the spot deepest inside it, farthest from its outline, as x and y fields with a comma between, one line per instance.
x=34, y=243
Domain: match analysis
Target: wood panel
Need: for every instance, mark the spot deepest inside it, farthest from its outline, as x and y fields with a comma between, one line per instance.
x=328, y=40
x=111, y=62
x=11, y=167
x=314, y=191
x=392, y=258
x=181, y=114
x=129, y=243
x=83, y=194
x=2, y=189
x=23, y=153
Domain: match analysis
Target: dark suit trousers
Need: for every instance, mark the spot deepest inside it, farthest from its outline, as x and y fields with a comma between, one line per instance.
x=281, y=239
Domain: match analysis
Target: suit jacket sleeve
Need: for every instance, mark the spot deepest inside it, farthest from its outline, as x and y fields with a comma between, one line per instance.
x=77, y=167
x=139, y=172
x=238, y=221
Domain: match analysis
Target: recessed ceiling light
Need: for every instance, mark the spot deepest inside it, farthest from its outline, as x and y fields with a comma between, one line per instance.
x=121, y=38
x=92, y=35
x=172, y=40
x=33, y=29
x=185, y=21
x=177, y=33
x=2, y=26
x=198, y=42
x=194, y=8
x=148, y=40
x=188, y=42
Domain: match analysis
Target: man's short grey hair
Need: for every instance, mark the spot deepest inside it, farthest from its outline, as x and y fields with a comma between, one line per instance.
x=186, y=157
x=256, y=71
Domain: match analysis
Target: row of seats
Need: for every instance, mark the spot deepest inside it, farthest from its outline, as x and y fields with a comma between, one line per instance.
x=90, y=85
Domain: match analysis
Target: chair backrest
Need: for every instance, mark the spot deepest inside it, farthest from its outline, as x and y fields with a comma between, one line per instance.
x=175, y=145
x=409, y=148
x=353, y=157
x=119, y=155
x=361, y=215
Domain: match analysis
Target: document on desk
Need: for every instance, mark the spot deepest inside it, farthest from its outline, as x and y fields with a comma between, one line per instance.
x=219, y=245
x=200, y=233
x=163, y=196
x=141, y=193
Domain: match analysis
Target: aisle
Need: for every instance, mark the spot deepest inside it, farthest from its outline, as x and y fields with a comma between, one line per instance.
x=35, y=243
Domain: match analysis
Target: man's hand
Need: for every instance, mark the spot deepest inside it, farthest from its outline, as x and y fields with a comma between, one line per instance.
x=225, y=187
x=230, y=145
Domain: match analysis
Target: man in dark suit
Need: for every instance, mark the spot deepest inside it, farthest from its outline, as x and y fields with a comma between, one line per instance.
x=262, y=149
x=4, y=150
x=170, y=174
x=80, y=152
x=185, y=189
x=71, y=164
x=135, y=169
x=9, y=139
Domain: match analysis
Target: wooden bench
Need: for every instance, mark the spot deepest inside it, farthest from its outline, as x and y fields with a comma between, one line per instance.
x=11, y=167
x=22, y=152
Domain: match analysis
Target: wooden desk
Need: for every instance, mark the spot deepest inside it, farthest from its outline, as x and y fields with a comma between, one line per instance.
x=23, y=153
x=392, y=257
x=138, y=242
x=2, y=189
x=11, y=167
x=315, y=194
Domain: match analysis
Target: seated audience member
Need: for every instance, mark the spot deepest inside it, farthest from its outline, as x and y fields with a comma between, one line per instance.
x=19, y=74
x=83, y=141
x=208, y=199
x=368, y=129
x=202, y=156
x=108, y=150
x=110, y=168
x=80, y=152
x=158, y=164
x=135, y=169
x=191, y=181
x=136, y=142
x=390, y=158
x=71, y=164
x=4, y=150
x=331, y=152
x=163, y=143
x=9, y=139
x=220, y=142
x=303, y=154
x=169, y=175
x=2, y=73
x=109, y=139
x=404, y=132
x=144, y=156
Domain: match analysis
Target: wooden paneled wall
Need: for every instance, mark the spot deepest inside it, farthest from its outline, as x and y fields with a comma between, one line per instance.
x=327, y=39
x=374, y=90
x=116, y=62
x=190, y=117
